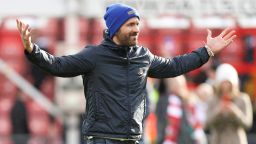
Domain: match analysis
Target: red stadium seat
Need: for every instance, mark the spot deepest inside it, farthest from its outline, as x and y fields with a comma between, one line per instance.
x=8, y=89
x=5, y=126
x=38, y=119
x=5, y=107
x=19, y=65
x=11, y=45
x=35, y=110
x=39, y=126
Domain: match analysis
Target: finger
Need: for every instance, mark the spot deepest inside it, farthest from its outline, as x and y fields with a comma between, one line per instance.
x=229, y=35
x=18, y=25
x=21, y=25
x=209, y=33
x=28, y=34
x=24, y=31
x=229, y=41
x=26, y=27
x=28, y=41
x=224, y=32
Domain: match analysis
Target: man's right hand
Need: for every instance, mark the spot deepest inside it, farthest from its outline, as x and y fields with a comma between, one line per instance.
x=25, y=34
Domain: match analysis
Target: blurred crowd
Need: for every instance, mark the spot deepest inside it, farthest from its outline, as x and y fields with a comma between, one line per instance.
x=215, y=112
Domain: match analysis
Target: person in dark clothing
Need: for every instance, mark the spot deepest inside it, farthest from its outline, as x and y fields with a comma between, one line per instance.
x=161, y=111
x=115, y=74
x=19, y=120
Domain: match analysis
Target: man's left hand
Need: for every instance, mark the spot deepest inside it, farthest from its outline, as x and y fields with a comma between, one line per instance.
x=221, y=41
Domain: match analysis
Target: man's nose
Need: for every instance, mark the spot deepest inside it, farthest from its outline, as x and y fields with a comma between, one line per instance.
x=136, y=28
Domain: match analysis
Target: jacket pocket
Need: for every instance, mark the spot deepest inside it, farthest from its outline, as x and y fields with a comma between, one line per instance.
x=100, y=111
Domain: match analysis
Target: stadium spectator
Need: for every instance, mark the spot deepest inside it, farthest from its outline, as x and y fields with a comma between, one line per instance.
x=19, y=119
x=204, y=93
x=229, y=112
x=184, y=126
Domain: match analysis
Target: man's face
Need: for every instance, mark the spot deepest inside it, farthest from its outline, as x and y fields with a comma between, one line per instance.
x=128, y=33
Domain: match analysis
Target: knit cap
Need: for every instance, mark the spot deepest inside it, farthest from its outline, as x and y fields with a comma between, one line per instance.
x=116, y=15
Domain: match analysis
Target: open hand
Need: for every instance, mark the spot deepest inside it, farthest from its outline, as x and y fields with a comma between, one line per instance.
x=25, y=34
x=221, y=41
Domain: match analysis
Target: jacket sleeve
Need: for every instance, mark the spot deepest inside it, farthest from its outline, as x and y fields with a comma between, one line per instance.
x=64, y=66
x=170, y=67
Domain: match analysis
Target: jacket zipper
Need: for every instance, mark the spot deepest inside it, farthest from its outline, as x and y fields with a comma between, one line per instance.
x=128, y=94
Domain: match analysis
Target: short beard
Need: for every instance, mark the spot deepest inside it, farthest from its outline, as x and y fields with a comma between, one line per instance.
x=125, y=39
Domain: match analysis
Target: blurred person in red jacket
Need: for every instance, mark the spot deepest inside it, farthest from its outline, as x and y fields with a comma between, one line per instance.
x=229, y=112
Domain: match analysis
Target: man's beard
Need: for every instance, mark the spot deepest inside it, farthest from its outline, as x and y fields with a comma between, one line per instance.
x=127, y=40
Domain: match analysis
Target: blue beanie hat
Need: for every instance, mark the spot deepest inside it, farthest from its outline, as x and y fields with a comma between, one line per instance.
x=116, y=15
